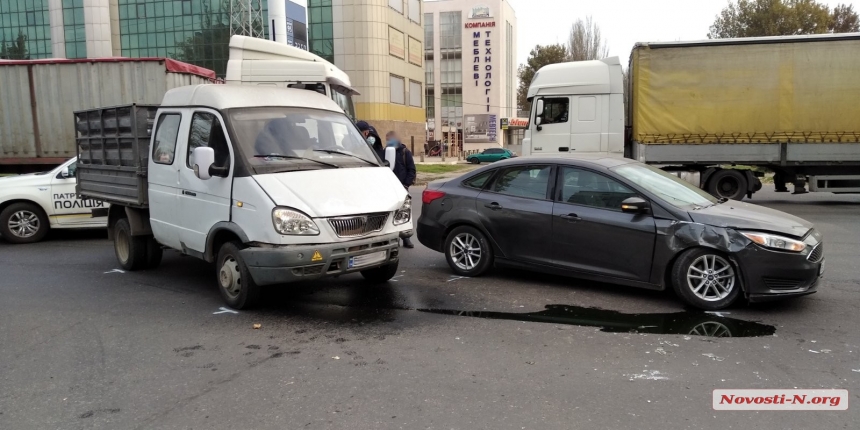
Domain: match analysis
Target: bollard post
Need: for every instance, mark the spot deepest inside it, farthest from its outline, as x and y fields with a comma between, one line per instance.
x=412, y=145
x=422, y=156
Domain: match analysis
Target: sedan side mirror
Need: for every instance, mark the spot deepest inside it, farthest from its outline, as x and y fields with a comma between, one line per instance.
x=636, y=205
x=202, y=158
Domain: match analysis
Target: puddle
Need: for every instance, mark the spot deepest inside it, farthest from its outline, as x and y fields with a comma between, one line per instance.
x=686, y=323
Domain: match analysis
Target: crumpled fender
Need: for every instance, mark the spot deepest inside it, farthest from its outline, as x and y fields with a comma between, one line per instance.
x=681, y=235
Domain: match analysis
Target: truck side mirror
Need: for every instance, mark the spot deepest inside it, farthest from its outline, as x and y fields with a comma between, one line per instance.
x=202, y=158
x=539, y=108
x=537, y=121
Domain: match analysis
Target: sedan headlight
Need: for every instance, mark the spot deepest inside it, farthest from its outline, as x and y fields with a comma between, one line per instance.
x=773, y=241
x=404, y=214
x=292, y=222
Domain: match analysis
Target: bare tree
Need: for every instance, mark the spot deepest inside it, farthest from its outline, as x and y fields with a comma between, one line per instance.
x=586, y=42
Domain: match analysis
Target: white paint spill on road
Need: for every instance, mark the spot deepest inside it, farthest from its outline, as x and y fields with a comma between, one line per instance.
x=394, y=278
x=650, y=375
x=454, y=278
x=713, y=357
x=116, y=271
x=223, y=310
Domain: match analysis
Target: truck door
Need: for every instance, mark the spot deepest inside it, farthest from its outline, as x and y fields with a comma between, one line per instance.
x=66, y=208
x=163, y=177
x=554, y=130
x=585, y=124
x=204, y=202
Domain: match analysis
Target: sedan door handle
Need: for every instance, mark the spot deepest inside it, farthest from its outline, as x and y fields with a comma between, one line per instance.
x=494, y=206
x=571, y=217
x=189, y=193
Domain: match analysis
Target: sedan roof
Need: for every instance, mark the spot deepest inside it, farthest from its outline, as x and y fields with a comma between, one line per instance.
x=577, y=159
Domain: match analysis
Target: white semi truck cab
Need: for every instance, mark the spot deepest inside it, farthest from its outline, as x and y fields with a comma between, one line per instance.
x=271, y=185
x=577, y=108
x=255, y=61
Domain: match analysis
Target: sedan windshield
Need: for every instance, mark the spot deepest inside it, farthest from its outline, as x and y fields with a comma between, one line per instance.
x=282, y=138
x=672, y=189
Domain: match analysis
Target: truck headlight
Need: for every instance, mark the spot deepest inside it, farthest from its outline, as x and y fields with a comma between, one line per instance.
x=404, y=214
x=292, y=222
x=773, y=241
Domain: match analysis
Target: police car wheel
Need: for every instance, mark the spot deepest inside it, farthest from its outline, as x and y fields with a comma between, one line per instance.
x=235, y=283
x=130, y=250
x=23, y=223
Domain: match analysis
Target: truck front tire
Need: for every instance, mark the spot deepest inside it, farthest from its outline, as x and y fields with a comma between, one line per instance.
x=131, y=251
x=23, y=223
x=728, y=183
x=235, y=283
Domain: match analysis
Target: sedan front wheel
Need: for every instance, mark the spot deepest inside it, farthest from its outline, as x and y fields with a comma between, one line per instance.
x=468, y=252
x=705, y=279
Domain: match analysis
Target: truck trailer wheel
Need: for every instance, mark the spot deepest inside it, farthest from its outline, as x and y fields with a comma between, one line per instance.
x=728, y=183
x=234, y=280
x=23, y=223
x=380, y=274
x=130, y=250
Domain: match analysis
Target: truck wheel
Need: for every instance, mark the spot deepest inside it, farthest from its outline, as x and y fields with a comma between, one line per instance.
x=728, y=183
x=468, y=252
x=154, y=252
x=380, y=274
x=235, y=283
x=706, y=279
x=23, y=223
x=130, y=250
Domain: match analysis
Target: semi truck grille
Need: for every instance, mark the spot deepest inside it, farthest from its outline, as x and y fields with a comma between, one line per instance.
x=359, y=225
x=817, y=254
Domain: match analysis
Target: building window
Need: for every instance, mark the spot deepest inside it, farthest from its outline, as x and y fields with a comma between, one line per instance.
x=321, y=28
x=509, y=69
x=450, y=29
x=396, y=5
x=397, y=88
x=428, y=31
x=429, y=78
x=415, y=51
x=395, y=43
x=430, y=103
x=25, y=30
x=74, y=29
x=415, y=11
x=452, y=71
x=415, y=93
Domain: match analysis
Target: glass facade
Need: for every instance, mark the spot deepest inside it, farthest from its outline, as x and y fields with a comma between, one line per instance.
x=73, y=29
x=451, y=65
x=320, y=27
x=429, y=80
x=25, y=29
x=193, y=31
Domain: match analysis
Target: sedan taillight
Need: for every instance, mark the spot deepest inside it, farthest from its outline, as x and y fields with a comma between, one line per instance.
x=428, y=196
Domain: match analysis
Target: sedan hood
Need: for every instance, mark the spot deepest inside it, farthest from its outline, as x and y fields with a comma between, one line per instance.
x=746, y=216
x=26, y=179
x=335, y=192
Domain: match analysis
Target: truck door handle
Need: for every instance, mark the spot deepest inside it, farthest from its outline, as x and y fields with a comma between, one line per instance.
x=189, y=193
x=494, y=206
x=571, y=217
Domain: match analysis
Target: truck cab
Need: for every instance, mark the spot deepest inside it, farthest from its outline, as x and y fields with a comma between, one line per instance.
x=577, y=108
x=255, y=61
x=271, y=185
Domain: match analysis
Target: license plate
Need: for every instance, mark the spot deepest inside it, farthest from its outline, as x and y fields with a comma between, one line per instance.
x=821, y=268
x=366, y=259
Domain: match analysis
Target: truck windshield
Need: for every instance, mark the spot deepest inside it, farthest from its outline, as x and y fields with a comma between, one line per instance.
x=282, y=138
x=344, y=100
x=672, y=189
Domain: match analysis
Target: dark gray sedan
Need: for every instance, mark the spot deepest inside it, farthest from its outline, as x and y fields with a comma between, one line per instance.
x=619, y=221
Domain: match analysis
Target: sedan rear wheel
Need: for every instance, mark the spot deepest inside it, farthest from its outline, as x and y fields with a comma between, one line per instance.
x=468, y=252
x=705, y=279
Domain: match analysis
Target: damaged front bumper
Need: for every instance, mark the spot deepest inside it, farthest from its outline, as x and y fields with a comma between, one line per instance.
x=291, y=263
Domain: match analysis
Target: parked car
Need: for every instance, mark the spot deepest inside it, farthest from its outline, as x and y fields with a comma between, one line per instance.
x=490, y=155
x=32, y=204
x=620, y=221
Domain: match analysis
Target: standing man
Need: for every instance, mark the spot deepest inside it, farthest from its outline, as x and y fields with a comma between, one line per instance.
x=404, y=168
x=372, y=138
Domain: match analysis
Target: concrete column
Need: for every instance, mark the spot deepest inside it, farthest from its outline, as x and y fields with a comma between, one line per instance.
x=116, y=40
x=98, y=28
x=277, y=21
x=58, y=35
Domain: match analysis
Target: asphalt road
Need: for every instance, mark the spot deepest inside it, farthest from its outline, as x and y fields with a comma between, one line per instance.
x=84, y=346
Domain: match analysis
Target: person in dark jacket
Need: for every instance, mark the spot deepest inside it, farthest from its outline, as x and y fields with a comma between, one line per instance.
x=404, y=168
x=372, y=138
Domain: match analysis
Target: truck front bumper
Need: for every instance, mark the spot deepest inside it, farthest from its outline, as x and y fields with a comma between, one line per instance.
x=282, y=264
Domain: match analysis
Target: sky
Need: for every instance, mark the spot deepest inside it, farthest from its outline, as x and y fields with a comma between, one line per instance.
x=622, y=22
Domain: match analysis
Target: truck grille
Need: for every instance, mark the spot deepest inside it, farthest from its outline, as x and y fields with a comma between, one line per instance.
x=359, y=225
x=817, y=254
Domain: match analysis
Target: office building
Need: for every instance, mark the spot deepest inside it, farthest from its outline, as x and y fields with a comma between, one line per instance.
x=470, y=54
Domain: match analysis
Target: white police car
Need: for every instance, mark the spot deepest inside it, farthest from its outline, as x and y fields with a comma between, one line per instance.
x=32, y=204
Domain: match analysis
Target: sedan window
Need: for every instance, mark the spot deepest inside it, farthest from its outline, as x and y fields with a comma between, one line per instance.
x=478, y=182
x=524, y=181
x=582, y=187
